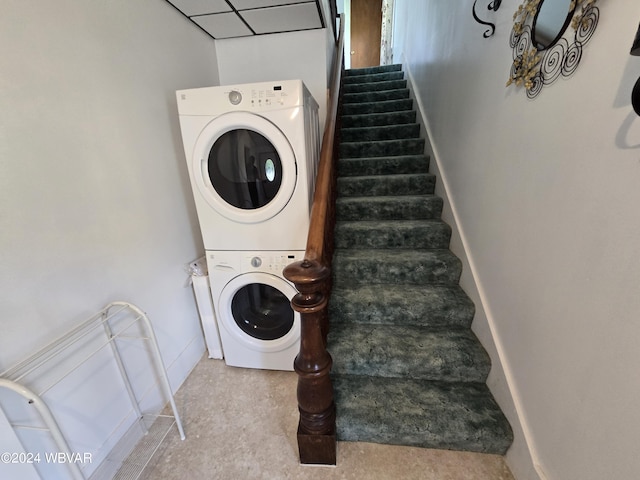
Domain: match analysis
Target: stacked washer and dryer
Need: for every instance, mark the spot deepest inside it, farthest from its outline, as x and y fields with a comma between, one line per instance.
x=252, y=153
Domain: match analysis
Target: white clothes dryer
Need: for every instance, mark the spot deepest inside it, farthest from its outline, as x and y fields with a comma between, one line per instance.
x=252, y=152
x=252, y=301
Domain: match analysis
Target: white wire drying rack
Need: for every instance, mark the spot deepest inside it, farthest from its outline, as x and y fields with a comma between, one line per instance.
x=16, y=378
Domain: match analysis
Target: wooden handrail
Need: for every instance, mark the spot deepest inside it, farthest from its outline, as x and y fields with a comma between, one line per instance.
x=312, y=278
x=316, y=238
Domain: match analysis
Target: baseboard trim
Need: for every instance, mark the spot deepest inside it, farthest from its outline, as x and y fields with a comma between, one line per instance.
x=505, y=368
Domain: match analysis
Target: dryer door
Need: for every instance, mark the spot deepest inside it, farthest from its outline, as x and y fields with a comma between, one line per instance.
x=256, y=309
x=244, y=167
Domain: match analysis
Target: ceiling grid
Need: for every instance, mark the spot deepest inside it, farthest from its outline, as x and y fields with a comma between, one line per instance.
x=242, y=18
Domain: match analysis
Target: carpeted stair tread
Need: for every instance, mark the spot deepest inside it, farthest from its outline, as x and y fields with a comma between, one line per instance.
x=374, y=86
x=407, y=368
x=375, y=119
x=409, y=234
x=401, y=207
x=406, y=146
x=377, y=133
x=408, y=351
x=384, y=185
x=398, y=411
x=421, y=305
x=398, y=105
x=398, y=164
x=396, y=67
x=377, y=96
x=414, y=267
x=373, y=77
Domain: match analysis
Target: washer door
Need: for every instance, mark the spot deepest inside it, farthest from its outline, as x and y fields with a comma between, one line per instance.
x=244, y=167
x=255, y=308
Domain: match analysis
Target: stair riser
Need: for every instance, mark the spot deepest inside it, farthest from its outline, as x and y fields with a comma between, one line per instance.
x=431, y=235
x=382, y=149
x=377, y=119
x=359, y=72
x=389, y=305
x=382, y=96
x=383, y=165
x=386, y=208
x=372, y=186
x=377, y=107
x=374, y=86
x=374, y=134
x=407, y=352
x=439, y=268
x=376, y=77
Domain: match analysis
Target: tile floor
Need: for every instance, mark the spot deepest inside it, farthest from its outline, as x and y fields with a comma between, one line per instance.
x=241, y=424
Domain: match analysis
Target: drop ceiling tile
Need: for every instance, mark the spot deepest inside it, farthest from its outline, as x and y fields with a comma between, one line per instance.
x=223, y=25
x=200, y=7
x=302, y=16
x=245, y=4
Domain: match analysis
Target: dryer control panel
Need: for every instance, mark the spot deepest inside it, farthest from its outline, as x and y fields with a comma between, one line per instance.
x=273, y=262
x=262, y=96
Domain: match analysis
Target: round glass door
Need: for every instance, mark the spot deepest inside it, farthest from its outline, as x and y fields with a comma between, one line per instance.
x=262, y=311
x=244, y=167
x=255, y=308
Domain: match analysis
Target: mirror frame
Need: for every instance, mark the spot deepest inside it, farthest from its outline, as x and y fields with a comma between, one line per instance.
x=535, y=68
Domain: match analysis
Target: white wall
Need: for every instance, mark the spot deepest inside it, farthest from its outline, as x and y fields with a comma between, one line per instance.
x=95, y=203
x=545, y=194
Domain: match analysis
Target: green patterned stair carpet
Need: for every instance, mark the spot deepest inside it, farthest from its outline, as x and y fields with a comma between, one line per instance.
x=407, y=368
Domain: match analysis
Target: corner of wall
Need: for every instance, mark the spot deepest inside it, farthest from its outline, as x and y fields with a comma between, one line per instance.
x=521, y=457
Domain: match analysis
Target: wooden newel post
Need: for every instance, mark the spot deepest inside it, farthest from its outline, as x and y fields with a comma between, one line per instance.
x=317, y=426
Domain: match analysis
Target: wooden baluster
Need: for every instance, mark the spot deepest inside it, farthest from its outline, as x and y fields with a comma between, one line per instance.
x=317, y=426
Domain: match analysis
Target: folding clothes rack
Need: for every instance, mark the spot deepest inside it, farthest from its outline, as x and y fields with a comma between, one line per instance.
x=16, y=378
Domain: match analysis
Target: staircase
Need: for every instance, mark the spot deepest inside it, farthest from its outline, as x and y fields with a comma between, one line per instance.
x=407, y=368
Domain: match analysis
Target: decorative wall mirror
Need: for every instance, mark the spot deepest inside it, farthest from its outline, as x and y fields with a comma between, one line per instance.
x=547, y=40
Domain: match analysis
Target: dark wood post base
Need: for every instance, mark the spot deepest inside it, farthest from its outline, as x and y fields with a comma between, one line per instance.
x=317, y=449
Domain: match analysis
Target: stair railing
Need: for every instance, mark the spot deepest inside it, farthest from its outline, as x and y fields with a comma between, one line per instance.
x=312, y=278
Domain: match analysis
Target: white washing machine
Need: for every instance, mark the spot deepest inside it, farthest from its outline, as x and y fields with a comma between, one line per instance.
x=252, y=152
x=252, y=301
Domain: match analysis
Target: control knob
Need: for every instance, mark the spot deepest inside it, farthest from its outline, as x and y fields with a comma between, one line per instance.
x=235, y=97
x=256, y=262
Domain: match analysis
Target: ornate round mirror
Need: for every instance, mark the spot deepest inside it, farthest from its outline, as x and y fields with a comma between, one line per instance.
x=551, y=20
x=548, y=37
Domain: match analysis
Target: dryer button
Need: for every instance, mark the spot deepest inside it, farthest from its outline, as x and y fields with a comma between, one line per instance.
x=235, y=97
x=256, y=262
